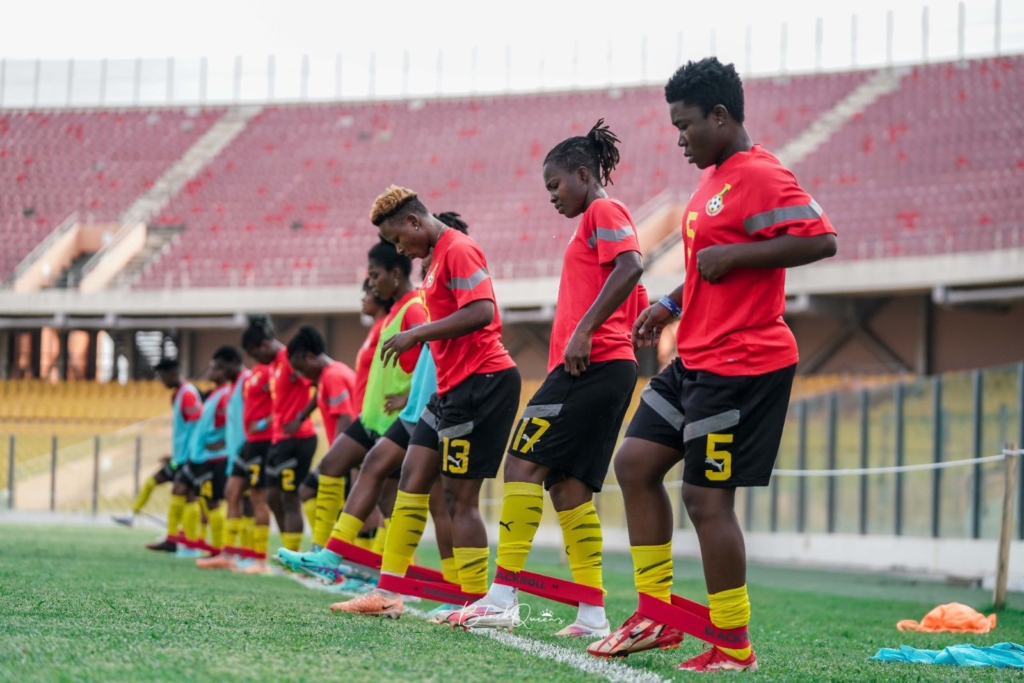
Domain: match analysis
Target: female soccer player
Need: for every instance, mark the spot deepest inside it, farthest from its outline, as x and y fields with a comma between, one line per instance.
x=720, y=406
x=389, y=278
x=568, y=431
x=464, y=429
x=293, y=439
x=375, y=308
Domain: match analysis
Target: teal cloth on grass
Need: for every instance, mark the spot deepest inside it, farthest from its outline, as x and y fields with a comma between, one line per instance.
x=1001, y=656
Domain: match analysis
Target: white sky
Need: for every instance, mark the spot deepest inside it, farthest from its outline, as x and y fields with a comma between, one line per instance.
x=544, y=36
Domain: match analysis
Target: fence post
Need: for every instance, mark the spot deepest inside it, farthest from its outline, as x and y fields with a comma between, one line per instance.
x=801, y=460
x=53, y=474
x=1005, y=526
x=95, y=474
x=833, y=423
x=773, y=512
x=898, y=414
x=10, y=472
x=138, y=462
x=863, y=512
x=937, y=456
x=976, y=485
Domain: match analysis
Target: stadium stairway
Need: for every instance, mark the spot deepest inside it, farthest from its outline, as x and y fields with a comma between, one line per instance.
x=666, y=256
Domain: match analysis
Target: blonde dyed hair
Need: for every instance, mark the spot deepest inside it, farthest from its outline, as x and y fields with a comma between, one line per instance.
x=388, y=202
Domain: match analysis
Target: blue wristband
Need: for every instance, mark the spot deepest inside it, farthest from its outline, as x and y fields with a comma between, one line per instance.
x=261, y=425
x=675, y=309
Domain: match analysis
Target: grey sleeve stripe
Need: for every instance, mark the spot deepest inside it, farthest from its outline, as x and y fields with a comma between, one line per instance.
x=343, y=396
x=709, y=425
x=455, y=431
x=662, y=407
x=548, y=410
x=468, y=282
x=767, y=219
x=429, y=418
x=610, y=235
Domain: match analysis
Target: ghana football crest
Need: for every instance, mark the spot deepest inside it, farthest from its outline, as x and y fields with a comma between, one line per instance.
x=717, y=203
x=429, y=282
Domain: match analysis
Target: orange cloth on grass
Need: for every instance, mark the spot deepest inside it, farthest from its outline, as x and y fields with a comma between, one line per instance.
x=952, y=618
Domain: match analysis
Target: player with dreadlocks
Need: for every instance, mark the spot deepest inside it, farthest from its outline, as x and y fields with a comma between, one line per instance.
x=462, y=432
x=293, y=439
x=567, y=432
x=721, y=405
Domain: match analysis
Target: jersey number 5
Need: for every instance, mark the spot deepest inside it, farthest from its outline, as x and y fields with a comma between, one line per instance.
x=720, y=461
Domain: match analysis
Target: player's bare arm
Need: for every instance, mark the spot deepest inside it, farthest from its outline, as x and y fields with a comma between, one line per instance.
x=784, y=251
x=473, y=316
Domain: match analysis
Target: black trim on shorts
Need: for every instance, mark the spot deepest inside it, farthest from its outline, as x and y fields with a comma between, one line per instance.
x=289, y=461
x=251, y=463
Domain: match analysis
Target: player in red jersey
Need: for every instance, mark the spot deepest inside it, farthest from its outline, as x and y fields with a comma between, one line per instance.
x=464, y=429
x=293, y=438
x=567, y=433
x=335, y=381
x=721, y=405
x=375, y=308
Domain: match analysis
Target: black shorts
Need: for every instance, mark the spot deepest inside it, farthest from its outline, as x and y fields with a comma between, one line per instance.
x=168, y=471
x=572, y=423
x=288, y=462
x=727, y=428
x=360, y=434
x=400, y=432
x=183, y=474
x=251, y=463
x=210, y=478
x=312, y=480
x=469, y=426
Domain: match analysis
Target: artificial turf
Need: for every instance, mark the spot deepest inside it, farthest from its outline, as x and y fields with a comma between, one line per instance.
x=88, y=603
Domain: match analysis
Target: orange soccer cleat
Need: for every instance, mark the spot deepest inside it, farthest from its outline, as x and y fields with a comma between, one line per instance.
x=373, y=604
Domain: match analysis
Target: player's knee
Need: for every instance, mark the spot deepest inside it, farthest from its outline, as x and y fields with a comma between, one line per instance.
x=569, y=494
x=517, y=469
x=705, y=505
x=631, y=470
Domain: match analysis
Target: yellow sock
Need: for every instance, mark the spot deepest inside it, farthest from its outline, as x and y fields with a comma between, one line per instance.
x=472, y=564
x=203, y=529
x=731, y=609
x=261, y=539
x=217, y=521
x=450, y=569
x=174, y=514
x=346, y=528
x=581, y=531
x=381, y=537
x=408, y=520
x=231, y=525
x=144, y=494
x=190, y=521
x=245, y=528
x=309, y=512
x=652, y=570
x=364, y=542
x=291, y=540
x=521, y=510
x=330, y=499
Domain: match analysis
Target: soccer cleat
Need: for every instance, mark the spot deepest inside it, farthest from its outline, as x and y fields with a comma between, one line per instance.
x=222, y=561
x=250, y=566
x=485, y=615
x=188, y=553
x=581, y=630
x=164, y=546
x=637, y=634
x=322, y=565
x=124, y=520
x=353, y=585
x=714, y=659
x=440, y=614
x=373, y=604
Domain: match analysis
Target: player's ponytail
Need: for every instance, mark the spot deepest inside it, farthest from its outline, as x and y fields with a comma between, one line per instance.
x=260, y=329
x=453, y=220
x=597, y=151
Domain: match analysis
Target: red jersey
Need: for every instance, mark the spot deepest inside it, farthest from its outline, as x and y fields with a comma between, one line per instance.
x=290, y=392
x=414, y=316
x=334, y=396
x=735, y=327
x=257, y=403
x=363, y=360
x=605, y=231
x=458, y=276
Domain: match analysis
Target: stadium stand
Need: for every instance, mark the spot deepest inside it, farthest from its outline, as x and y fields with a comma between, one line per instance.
x=95, y=162
x=78, y=404
x=935, y=167
x=288, y=198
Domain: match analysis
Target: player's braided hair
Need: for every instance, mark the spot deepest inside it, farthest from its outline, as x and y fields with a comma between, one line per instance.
x=307, y=340
x=597, y=152
x=395, y=202
x=386, y=255
x=167, y=365
x=260, y=330
x=453, y=220
x=707, y=83
x=228, y=354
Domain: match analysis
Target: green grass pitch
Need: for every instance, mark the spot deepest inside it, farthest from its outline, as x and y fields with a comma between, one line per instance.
x=89, y=604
